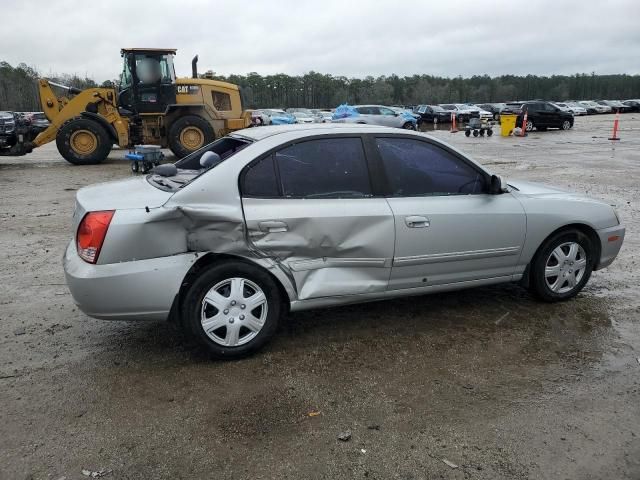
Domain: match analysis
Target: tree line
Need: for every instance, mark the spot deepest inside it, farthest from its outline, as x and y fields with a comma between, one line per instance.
x=18, y=90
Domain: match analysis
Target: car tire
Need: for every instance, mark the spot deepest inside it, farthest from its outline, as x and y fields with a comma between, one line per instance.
x=562, y=266
x=189, y=133
x=529, y=126
x=216, y=309
x=82, y=141
x=408, y=126
x=566, y=125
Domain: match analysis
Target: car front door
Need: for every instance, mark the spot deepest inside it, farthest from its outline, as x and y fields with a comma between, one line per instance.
x=449, y=229
x=389, y=118
x=309, y=207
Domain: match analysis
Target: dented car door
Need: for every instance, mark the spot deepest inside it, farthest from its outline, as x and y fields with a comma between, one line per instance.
x=309, y=207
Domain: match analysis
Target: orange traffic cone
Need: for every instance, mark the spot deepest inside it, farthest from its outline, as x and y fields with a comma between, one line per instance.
x=453, y=123
x=615, y=136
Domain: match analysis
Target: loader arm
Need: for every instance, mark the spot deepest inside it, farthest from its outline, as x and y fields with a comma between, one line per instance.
x=100, y=103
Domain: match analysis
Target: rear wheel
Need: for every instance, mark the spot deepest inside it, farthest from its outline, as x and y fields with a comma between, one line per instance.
x=529, y=126
x=82, y=141
x=233, y=308
x=189, y=133
x=562, y=266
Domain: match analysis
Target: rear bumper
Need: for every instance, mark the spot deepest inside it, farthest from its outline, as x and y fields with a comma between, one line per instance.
x=136, y=290
x=610, y=241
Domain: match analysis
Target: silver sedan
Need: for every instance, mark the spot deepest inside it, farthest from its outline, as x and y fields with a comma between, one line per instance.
x=278, y=219
x=379, y=115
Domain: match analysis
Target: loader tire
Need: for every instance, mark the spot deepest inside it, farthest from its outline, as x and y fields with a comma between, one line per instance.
x=83, y=142
x=188, y=134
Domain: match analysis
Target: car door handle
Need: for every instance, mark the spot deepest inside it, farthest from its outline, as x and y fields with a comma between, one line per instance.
x=416, y=221
x=273, y=226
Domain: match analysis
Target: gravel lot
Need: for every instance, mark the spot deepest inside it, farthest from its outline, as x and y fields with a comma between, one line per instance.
x=489, y=380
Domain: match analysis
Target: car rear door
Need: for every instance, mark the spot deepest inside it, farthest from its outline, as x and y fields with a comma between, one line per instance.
x=449, y=229
x=310, y=207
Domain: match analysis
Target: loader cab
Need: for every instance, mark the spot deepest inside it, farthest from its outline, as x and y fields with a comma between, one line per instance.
x=147, y=81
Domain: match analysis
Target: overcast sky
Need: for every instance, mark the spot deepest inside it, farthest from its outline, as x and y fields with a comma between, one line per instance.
x=341, y=37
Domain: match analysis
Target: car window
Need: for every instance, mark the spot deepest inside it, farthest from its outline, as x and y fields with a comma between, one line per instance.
x=387, y=111
x=260, y=179
x=324, y=168
x=417, y=168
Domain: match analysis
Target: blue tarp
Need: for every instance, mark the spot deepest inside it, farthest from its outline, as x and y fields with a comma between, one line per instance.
x=344, y=111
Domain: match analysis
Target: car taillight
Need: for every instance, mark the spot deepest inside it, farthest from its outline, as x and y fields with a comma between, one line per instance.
x=91, y=233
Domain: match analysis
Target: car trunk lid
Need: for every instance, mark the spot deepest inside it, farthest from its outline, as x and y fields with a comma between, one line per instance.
x=118, y=195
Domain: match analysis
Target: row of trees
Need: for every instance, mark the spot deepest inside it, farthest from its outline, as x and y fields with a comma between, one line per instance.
x=19, y=90
x=316, y=90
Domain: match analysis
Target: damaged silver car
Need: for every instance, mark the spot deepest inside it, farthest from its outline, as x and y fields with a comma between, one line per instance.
x=278, y=219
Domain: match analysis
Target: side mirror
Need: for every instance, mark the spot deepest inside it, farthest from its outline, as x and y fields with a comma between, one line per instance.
x=498, y=185
x=209, y=159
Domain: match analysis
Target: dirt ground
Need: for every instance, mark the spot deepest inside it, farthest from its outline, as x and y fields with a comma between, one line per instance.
x=495, y=383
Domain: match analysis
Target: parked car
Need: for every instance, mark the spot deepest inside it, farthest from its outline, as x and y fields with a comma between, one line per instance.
x=304, y=117
x=379, y=115
x=493, y=108
x=634, y=105
x=325, y=116
x=616, y=106
x=573, y=108
x=432, y=114
x=543, y=115
x=38, y=120
x=259, y=118
x=607, y=108
x=279, y=117
x=7, y=129
x=269, y=220
x=513, y=107
x=407, y=111
x=593, y=107
x=464, y=111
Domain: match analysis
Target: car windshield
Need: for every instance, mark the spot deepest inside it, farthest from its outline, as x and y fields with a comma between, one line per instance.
x=436, y=108
x=448, y=107
x=189, y=167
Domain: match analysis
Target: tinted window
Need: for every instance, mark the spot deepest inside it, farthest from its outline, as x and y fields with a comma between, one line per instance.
x=260, y=179
x=386, y=111
x=417, y=168
x=332, y=167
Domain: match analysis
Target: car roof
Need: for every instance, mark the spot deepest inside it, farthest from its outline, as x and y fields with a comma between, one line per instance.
x=259, y=133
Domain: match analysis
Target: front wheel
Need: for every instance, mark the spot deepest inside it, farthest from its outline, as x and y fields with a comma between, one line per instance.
x=566, y=125
x=83, y=141
x=408, y=126
x=529, y=126
x=233, y=308
x=189, y=133
x=562, y=266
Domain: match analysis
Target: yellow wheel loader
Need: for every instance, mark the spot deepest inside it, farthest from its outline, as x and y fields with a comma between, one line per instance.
x=150, y=106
